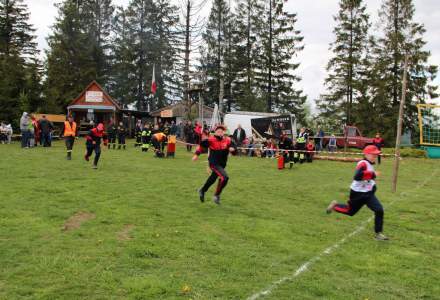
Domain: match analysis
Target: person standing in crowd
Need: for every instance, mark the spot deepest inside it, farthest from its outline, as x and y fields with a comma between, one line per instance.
x=46, y=127
x=251, y=146
x=332, y=145
x=37, y=131
x=198, y=130
x=379, y=142
x=239, y=136
x=286, y=146
x=69, y=132
x=24, y=128
x=319, y=138
x=310, y=151
x=122, y=133
x=138, y=133
x=6, y=129
x=362, y=192
x=189, y=135
x=146, y=138
x=111, y=133
x=93, y=143
x=301, y=141
x=219, y=148
x=166, y=129
x=31, y=134
x=180, y=130
x=173, y=129
x=3, y=136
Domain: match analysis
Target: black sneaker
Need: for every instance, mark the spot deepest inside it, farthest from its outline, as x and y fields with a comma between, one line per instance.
x=201, y=195
x=216, y=200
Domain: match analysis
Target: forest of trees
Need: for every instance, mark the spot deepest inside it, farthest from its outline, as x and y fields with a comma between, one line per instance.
x=248, y=51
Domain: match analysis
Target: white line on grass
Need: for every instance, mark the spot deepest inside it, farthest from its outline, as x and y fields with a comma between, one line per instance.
x=305, y=266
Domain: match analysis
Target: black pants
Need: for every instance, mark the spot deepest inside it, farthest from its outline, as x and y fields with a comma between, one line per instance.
x=97, y=148
x=357, y=201
x=223, y=178
x=121, y=141
x=69, y=140
x=45, y=139
x=289, y=157
x=112, y=140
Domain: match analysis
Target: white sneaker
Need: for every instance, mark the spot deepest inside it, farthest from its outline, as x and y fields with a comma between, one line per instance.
x=331, y=206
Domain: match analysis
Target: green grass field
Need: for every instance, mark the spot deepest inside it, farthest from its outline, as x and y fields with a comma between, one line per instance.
x=145, y=234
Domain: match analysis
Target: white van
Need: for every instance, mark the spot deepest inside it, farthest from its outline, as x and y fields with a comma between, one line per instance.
x=232, y=119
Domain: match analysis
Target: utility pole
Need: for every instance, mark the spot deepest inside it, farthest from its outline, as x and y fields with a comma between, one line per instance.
x=269, y=90
x=400, y=125
x=186, y=78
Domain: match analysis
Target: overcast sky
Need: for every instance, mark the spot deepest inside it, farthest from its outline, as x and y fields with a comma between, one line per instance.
x=315, y=20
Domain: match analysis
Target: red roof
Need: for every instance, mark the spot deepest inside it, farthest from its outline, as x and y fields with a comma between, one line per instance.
x=95, y=95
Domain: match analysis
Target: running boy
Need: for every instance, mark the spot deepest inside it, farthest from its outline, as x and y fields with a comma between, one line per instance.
x=363, y=191
x=219, y=149
x=93, y=143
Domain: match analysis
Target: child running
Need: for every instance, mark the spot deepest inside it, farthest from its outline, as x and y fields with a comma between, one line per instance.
x=219, y=148
x=93, y=143
x=363, y=191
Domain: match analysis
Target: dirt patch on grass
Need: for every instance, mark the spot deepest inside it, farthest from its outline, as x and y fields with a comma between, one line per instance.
x=75, y=221
x=124, y=234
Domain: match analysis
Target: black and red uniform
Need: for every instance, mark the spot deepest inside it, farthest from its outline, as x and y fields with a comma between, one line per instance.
x=93, y=143
x=218, y=157
x=362, y=192
x=286, y=144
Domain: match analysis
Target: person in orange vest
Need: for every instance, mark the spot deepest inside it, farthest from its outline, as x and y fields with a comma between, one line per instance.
x=69, y=132
x=159, y=140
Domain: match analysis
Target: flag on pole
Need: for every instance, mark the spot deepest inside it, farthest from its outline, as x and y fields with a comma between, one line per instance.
x=153, y=82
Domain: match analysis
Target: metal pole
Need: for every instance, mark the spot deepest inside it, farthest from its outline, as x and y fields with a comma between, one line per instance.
x=400, y=125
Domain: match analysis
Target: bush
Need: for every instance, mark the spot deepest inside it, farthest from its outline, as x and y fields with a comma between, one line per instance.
x=407, y=152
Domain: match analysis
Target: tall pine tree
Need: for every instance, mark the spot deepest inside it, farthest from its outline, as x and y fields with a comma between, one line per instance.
x=346, y=69
x=19, y=69
x=248, y=51
x=282, y=41
x=217, y=40
x=72, y=61
x=401, y=35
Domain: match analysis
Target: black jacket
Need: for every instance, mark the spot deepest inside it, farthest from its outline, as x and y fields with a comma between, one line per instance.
x=239, y=138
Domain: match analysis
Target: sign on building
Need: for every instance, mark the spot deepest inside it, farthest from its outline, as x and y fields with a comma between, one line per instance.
x=94, y=96
x=168, y=113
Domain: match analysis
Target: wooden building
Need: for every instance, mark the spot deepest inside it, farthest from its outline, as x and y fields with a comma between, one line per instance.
x=178, y=113
x=94, y=104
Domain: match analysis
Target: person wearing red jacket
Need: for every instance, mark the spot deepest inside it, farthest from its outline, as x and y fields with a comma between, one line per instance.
x=219, y=148
x=362, y=192
x=310, y=147
x=93, y=143
x=198, y=133
x=379, y=142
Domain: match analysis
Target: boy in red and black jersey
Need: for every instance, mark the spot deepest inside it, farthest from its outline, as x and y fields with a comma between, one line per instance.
x=219, y=148
x=93, y=143
x=362, y=192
